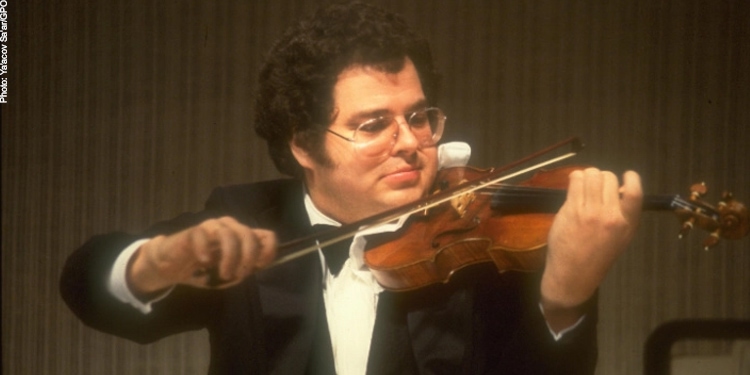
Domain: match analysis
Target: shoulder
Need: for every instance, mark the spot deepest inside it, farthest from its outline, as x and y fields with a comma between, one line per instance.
x=265, y=203
x=255, y=196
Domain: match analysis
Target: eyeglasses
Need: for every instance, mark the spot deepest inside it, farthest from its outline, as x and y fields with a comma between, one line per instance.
x=376, y=137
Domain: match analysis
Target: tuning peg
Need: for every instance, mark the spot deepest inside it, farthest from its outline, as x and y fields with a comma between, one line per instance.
x=712, y=240
x=687, y=225
x=729, y=219
x=726, y=198
x=697, y=191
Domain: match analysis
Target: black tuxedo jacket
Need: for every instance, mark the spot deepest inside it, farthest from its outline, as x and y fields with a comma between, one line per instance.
x=274, y=322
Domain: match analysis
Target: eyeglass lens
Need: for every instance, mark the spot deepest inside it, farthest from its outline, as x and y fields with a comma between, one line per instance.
x=377, y=136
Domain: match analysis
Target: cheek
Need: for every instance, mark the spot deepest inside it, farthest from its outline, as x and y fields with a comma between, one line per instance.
x=359, y=171
x=345, y=159
x=350, y=169
x=431, y=164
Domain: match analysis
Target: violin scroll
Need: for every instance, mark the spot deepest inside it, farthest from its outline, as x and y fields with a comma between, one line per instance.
x=729, y=219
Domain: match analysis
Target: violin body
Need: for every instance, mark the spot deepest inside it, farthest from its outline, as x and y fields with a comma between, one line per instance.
x=471, y=229
x=509, y=224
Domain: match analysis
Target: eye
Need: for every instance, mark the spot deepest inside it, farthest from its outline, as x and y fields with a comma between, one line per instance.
x=419, y=119
x=374, y=126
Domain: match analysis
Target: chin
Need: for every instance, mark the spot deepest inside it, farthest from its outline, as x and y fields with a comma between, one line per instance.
x=403, y=197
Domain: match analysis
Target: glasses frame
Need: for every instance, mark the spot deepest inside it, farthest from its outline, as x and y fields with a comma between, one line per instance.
x=438, y=134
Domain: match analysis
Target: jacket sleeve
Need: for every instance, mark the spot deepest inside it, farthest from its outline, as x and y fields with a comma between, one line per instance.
x=83, y=286
x=517, y=339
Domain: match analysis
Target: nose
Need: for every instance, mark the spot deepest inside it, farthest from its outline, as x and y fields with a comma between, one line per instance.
x=404, y=140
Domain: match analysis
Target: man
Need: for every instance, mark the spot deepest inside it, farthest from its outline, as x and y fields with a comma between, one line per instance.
x=346, y=106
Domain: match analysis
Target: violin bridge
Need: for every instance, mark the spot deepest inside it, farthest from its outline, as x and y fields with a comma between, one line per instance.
x=460, y=203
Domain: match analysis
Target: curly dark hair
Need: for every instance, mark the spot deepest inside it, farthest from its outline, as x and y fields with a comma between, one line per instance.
x=296, y=83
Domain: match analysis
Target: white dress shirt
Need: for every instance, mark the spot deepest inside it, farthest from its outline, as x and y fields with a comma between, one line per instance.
x=351, y=298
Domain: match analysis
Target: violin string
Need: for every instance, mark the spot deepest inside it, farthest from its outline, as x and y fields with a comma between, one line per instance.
x=508, y=193
x=503, y=193
x=680, y=202
x=510, y=189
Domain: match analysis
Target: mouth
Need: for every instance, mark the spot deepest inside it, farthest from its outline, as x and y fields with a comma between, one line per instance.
x=405, y=175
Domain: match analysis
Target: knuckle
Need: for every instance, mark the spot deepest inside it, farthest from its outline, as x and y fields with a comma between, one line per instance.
x=612, y=224
x=591, y=171
x=227, y=220
x=589, y=218
x=196, y=237
x=576, y=175
x=207, y=227
x=199, y=230
x=223, y=232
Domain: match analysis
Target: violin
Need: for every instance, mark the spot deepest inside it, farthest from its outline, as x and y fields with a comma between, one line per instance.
x=508, y=226
x=473, y=217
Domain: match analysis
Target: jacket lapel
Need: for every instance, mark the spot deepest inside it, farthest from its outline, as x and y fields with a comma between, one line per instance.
x=294, y=320
x=426, y=331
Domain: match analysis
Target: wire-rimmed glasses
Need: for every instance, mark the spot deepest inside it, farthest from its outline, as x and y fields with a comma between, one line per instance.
x=376, y=137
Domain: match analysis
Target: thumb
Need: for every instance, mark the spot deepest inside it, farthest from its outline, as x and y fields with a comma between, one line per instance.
x=631, y=197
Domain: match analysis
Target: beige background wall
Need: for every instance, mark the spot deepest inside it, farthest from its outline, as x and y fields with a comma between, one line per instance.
x=127, y=112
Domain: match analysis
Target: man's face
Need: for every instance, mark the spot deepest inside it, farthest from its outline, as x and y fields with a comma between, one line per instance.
x=356, y=186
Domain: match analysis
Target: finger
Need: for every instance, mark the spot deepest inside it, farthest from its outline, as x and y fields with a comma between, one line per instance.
x=267, y=245
x=575, y=188
x=610, y=190
x=256, y=247
x=247, y=250
x=201, y=246
x=632, y=196
x=248, y=247
x=247, y=242
x=229, y=251
x=202, y=254
x=592, y=188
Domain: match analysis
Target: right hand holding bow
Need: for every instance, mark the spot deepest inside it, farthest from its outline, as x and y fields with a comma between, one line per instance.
x=233, y=249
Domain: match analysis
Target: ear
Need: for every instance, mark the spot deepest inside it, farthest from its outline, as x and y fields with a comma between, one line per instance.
x=302, y=156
